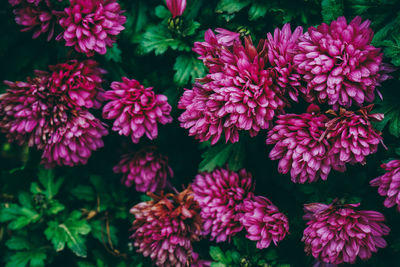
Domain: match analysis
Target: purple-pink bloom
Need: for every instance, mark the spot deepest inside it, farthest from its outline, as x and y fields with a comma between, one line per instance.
x=176, y=7
x=36, y=16
x=300, y=145
x=136, y=109
x=197, y=262
x=339, y=64
x=92, y=25
x=165, y=227
x=72, y=144
x=339, y=233
x=238, y=94
x=263, y=221
x=29, y=113
x=282, y=46
x=389, y=184
x=79, y=83
x=219, y=194
x=352, y=135
x=147, y=168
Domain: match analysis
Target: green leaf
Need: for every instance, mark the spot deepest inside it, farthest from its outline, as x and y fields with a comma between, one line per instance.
x=18, y=243
x=158, y=38
x=231, y=6
x=219, y=155
x=83, y=192
x=114, y=54
x=187, y=68
x=331, y=9
x=18, y=216
x=258, y=10
x=162, y=12
x=55, y=207
x=191, y=28
x=69, y=232
x=99, y=231
x=48, y=182
x=217, y=254
x=36, y=258
x=218, y=264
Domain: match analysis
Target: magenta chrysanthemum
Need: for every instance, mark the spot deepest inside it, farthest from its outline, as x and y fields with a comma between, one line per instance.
x=263, y=221
x=389, y=184
x=165, y=228
x=282, y=46
x=300, y=146
x=147, y=169
x=219, y=194
x=176, y=7
x=78, y=82
x=73, y=143
x=36, y=16
x=92, y=25
x=352, y=135
x=136, y=109
x=28, y=113
x=238, y=93
x=339, y=233
x=339, y=63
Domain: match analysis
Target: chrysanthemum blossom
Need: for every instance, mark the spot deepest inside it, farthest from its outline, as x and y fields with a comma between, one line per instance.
x=176, y=7
x=352, y=135
x=263, y=221
x=165, y=227
x=29, y=113
x=147, y=169
x=78, y=82
x=389, y=184
x=281, y=48
x=339, y=64
x=36, y=16
x=136, y=109
x=72, y=144
x=338, y=233
x=300, y=145
x=92, y=25
x=237, y=95
x=219, y=194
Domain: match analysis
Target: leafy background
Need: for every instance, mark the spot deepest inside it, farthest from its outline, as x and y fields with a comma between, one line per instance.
x=80, y=216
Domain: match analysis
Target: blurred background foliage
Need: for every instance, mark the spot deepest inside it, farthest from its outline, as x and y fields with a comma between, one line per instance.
x=80, y=216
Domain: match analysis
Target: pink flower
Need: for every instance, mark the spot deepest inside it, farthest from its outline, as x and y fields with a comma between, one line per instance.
x=147, y=169
x=28, y=113
x=197, y=262
x=263, y=221
x=300, y=145
x=135, y=109
x=389, y=184
x=73, y=143
x=36, y=16
x=78, y=82
x=219, y=194
x=176, y=7
x=352, y=135
x=238, y=94
x=339, y=63
x=282, y=46
x=92, y=25
x=165, y=227
x=338, y=233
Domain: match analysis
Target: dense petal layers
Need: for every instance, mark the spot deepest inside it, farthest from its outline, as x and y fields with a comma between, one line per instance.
x=339, y=233
x=263, y=221
x=136, y=109
x=92, y=25
x=389, y=184
x=147, y=169
x=339, y=64
x=220, y=194
x=165, y=227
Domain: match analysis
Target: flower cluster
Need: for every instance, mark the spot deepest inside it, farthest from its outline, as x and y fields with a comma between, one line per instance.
x=50, y=112
x=136, y=109
x=147, y=169
x=89, y=25
x=310, y=145
x=389, y=184
x=165, y=227
x=338, y=233
x=228, y=204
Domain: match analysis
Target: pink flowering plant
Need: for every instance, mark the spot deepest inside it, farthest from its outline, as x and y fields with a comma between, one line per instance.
x=199, y=133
